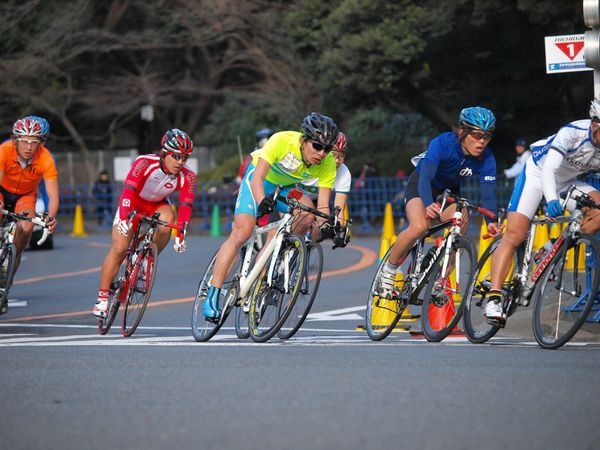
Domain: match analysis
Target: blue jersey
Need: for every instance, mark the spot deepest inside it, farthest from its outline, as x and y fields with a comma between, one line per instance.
x=445, y=166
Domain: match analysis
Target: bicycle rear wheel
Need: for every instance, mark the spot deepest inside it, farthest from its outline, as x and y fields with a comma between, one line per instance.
x=308, y=291
x=566, y=292
x=141, y=280
x=271, y=305
x=382, y=315
x=7, y=272
x=475, y=324
x=203, y=329
x=444, y=293
x=115, y=294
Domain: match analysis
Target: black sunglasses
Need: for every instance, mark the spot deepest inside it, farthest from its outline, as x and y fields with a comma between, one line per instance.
x=320, y=147
x=179, y=156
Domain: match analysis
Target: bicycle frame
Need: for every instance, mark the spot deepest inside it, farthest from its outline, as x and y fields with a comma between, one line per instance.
x=526, y=280
x=247, y=275
x=454, y=223
x=140, y=239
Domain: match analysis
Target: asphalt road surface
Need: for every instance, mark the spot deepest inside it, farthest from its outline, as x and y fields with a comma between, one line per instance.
x=66, y=387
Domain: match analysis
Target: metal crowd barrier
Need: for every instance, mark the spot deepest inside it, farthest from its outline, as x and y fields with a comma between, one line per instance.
x=366, y=205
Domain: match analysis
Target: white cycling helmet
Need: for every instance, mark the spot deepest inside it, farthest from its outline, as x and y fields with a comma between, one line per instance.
x=595, y=109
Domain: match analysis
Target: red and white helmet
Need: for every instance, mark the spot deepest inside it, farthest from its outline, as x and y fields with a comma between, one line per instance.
x=30, y=126
x=176, y=141
x=341, y=143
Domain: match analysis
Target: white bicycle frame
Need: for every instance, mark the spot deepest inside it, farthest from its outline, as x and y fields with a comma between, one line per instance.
x=452, y=233
x=248, y=275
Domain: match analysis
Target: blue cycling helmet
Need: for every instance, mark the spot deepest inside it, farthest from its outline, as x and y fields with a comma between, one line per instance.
x=477, y=117
x=32, y=126
x=263, y=133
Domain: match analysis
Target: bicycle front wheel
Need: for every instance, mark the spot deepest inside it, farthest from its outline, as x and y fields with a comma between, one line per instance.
x=308, y=291
x=382, y=314
x=444, y=293
x=242, y=327
x=7, y=272
x=141, y=280
x=115, y=294
x=270, y=305
x=566, y=292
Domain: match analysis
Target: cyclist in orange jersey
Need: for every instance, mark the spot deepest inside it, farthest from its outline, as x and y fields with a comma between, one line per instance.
x=24, y=162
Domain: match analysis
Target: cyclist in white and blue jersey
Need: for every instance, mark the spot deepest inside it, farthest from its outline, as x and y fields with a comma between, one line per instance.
x=450, y=158
x=553, y=166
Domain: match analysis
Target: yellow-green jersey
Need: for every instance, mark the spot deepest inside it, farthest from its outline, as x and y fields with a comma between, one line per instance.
x=282, y=152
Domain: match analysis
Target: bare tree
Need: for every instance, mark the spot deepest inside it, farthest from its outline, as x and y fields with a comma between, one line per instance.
x=90, y=65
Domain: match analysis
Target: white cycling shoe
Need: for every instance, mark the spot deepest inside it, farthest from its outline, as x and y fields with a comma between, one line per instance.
x=387, y=284
x=100, y=309
x=493, y=310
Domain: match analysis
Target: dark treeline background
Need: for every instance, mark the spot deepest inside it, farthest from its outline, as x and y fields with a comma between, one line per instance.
x=392, y=73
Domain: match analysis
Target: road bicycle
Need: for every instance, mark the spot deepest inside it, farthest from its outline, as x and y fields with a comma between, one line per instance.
x=433, y=279
x=562, y=283
x=8, y=251
x=132, y=285
x=263, y=286
x=313, y=271
x=276, y=272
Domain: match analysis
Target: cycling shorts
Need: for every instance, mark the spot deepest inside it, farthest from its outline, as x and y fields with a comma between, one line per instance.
x=529, y=192
x=412, y=189
x=18, y=203
x=142, y=207
x=245, y=203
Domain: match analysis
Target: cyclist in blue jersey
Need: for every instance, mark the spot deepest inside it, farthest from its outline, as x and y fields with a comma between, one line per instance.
x=450, y=158
x=555, y=164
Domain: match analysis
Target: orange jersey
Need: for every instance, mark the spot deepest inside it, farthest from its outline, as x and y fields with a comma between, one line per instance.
x=20, y=181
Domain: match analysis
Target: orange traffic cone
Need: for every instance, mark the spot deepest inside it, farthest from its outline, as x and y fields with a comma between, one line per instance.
x=439, y=317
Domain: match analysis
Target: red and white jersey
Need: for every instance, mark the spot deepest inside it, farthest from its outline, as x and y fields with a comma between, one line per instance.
x=147, y=183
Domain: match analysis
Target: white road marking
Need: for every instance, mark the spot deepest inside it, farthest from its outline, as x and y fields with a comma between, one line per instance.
x=15, y=303
x=337, y=314
x=149, y=336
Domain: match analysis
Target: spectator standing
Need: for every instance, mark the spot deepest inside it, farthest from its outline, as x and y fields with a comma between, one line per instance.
x=103, y=198
x=523, y=154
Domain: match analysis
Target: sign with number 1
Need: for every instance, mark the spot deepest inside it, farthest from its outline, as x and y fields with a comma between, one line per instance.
x=565, y=53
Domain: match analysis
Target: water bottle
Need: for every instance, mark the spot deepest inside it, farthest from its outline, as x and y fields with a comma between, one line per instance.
x=543, y=251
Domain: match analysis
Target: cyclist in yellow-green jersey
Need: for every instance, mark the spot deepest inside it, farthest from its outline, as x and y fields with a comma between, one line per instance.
x=287, y=158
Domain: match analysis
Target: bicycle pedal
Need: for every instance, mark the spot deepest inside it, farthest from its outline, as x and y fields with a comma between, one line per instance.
x=496, y=322
x=523, y=301
x=213, y=320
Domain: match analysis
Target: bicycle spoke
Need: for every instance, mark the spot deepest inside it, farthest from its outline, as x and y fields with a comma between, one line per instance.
x=202, y=328
x=307, y=293
x=141, y=280
x=566, y=293
x=270, y=305
x=382, y=315
x=443, y=295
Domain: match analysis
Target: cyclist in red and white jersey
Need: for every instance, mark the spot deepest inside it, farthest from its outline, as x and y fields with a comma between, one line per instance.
x=150, y=181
